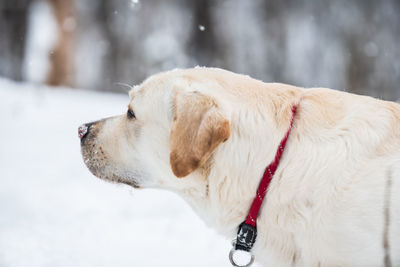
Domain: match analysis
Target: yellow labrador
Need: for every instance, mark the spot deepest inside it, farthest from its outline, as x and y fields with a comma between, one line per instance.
x=209, y=134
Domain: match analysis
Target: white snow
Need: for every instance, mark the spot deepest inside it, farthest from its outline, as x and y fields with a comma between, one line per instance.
x=55, y=213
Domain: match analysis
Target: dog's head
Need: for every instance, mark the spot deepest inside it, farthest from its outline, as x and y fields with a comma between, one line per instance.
x=170, y=130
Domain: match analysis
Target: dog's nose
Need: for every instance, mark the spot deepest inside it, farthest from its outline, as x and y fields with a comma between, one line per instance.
x=83, y=130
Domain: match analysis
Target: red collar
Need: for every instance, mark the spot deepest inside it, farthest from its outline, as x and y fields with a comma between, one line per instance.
x=247, y=230
x=267, y=177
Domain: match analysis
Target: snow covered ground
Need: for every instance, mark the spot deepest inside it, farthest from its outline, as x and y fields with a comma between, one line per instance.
x=53, y=212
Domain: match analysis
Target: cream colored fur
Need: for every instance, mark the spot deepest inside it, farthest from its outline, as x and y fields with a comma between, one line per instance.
x=335, y=198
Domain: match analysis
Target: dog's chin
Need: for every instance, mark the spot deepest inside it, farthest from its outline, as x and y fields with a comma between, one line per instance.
x=109, y=175
x=129, y=182
x=113, y=177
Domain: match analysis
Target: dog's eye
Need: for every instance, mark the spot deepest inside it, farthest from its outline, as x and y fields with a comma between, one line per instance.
x=130, y=114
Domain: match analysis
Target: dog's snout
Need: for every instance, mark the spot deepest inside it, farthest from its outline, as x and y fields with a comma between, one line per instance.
x=83, y=130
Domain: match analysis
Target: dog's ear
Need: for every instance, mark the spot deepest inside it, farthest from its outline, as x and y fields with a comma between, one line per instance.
x=197, y=129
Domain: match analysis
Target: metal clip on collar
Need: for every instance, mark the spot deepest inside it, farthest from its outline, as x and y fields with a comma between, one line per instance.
x=244, y=241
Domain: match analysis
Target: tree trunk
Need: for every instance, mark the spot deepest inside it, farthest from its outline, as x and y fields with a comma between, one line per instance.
x=203, y=46
x=62, y=57
x=13, y=27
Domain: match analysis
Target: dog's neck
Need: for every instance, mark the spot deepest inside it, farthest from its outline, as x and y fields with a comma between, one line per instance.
x=224, y=189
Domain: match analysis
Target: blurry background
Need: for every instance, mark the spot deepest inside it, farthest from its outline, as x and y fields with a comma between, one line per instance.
x=97, y=45
x=53, y=212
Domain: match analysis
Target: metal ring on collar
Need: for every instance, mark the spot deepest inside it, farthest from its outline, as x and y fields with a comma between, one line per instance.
x=233, y=250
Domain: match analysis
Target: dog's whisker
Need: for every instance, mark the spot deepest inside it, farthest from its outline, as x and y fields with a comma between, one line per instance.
x=124, y=85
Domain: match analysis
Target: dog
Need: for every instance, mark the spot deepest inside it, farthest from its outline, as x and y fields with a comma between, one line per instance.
x=208, y=134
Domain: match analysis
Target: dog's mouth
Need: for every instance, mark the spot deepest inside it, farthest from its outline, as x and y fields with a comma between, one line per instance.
x=97, y=162
x=105, y=172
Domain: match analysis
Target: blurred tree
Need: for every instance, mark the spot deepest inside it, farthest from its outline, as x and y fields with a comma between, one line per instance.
x=104, y=14
x=275, y=15
x=348, y=45
x=62, y=56
x=370, y=43
x=13, y=28
x=203, y=46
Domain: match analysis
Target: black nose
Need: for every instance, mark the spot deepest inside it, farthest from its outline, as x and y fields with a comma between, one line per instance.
x=83, y=130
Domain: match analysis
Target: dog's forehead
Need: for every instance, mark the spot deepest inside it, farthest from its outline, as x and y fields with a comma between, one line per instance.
x=133, y=91
x=156, y=85
x=154, y=97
